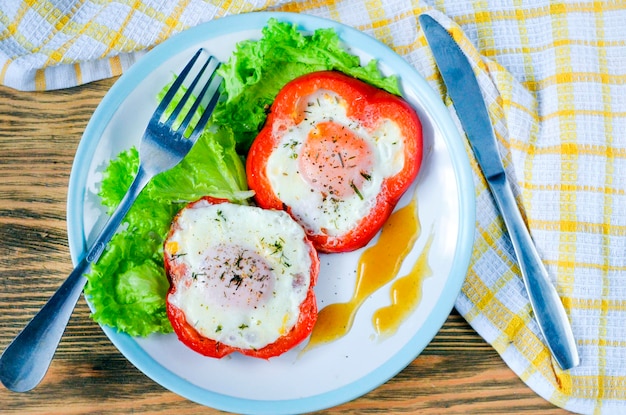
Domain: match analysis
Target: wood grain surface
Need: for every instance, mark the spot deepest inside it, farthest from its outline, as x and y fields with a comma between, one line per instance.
x=458, y=373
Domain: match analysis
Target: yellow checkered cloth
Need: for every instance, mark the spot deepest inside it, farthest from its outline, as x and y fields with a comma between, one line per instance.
x=554, y=77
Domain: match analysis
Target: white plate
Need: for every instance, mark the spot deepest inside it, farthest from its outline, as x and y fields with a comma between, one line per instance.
x=353, y=365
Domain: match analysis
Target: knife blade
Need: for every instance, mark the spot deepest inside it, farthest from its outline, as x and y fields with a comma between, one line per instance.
x=464, y=91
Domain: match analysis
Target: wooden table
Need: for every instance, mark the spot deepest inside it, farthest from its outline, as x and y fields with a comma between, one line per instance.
x=458, y=373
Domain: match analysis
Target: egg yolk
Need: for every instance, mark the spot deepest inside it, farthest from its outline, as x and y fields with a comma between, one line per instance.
x=334, y=160
x=235, y=276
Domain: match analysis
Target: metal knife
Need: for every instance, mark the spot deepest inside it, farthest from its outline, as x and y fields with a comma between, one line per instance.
x=471, y=110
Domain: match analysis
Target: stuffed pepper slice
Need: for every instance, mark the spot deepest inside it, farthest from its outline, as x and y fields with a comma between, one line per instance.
x=337, y=154
x=241, y=279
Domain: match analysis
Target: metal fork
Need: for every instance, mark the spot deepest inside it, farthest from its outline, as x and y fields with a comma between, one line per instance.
x=164, y=144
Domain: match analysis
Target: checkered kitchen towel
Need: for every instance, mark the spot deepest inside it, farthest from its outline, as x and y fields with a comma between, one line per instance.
x=554, y=77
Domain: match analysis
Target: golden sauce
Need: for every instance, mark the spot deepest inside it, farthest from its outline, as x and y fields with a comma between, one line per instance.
x=405, y=293
x=377, y=266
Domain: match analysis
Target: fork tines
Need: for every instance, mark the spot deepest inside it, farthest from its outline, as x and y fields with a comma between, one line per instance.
x=200, y=84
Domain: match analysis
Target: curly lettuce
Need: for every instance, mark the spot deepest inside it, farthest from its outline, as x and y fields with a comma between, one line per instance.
x=258, y=69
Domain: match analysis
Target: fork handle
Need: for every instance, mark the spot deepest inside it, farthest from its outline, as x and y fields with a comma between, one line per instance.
x=109, y=229
x=26, y=360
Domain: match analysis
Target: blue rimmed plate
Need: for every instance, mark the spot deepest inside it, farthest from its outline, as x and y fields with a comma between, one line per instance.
x=334, y=373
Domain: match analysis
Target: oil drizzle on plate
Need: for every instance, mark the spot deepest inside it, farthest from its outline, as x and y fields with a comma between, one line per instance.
x=378, y=265
x=405, y=293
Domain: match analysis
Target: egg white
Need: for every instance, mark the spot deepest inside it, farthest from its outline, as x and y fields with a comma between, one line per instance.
x=210, y=241
x=317, y=212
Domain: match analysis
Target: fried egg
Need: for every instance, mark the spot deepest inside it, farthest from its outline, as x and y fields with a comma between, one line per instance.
x=240, y=273
x=331, y=186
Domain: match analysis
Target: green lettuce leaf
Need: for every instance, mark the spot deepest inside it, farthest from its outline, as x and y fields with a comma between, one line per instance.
x=133, y=301
x=213, y=168
x=258, y=70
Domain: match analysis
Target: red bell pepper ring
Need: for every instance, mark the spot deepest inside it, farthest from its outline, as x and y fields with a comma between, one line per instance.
x=329, y=144
x=188, y=335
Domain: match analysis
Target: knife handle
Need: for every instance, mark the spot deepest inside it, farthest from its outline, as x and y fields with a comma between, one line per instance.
x=544, y=299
